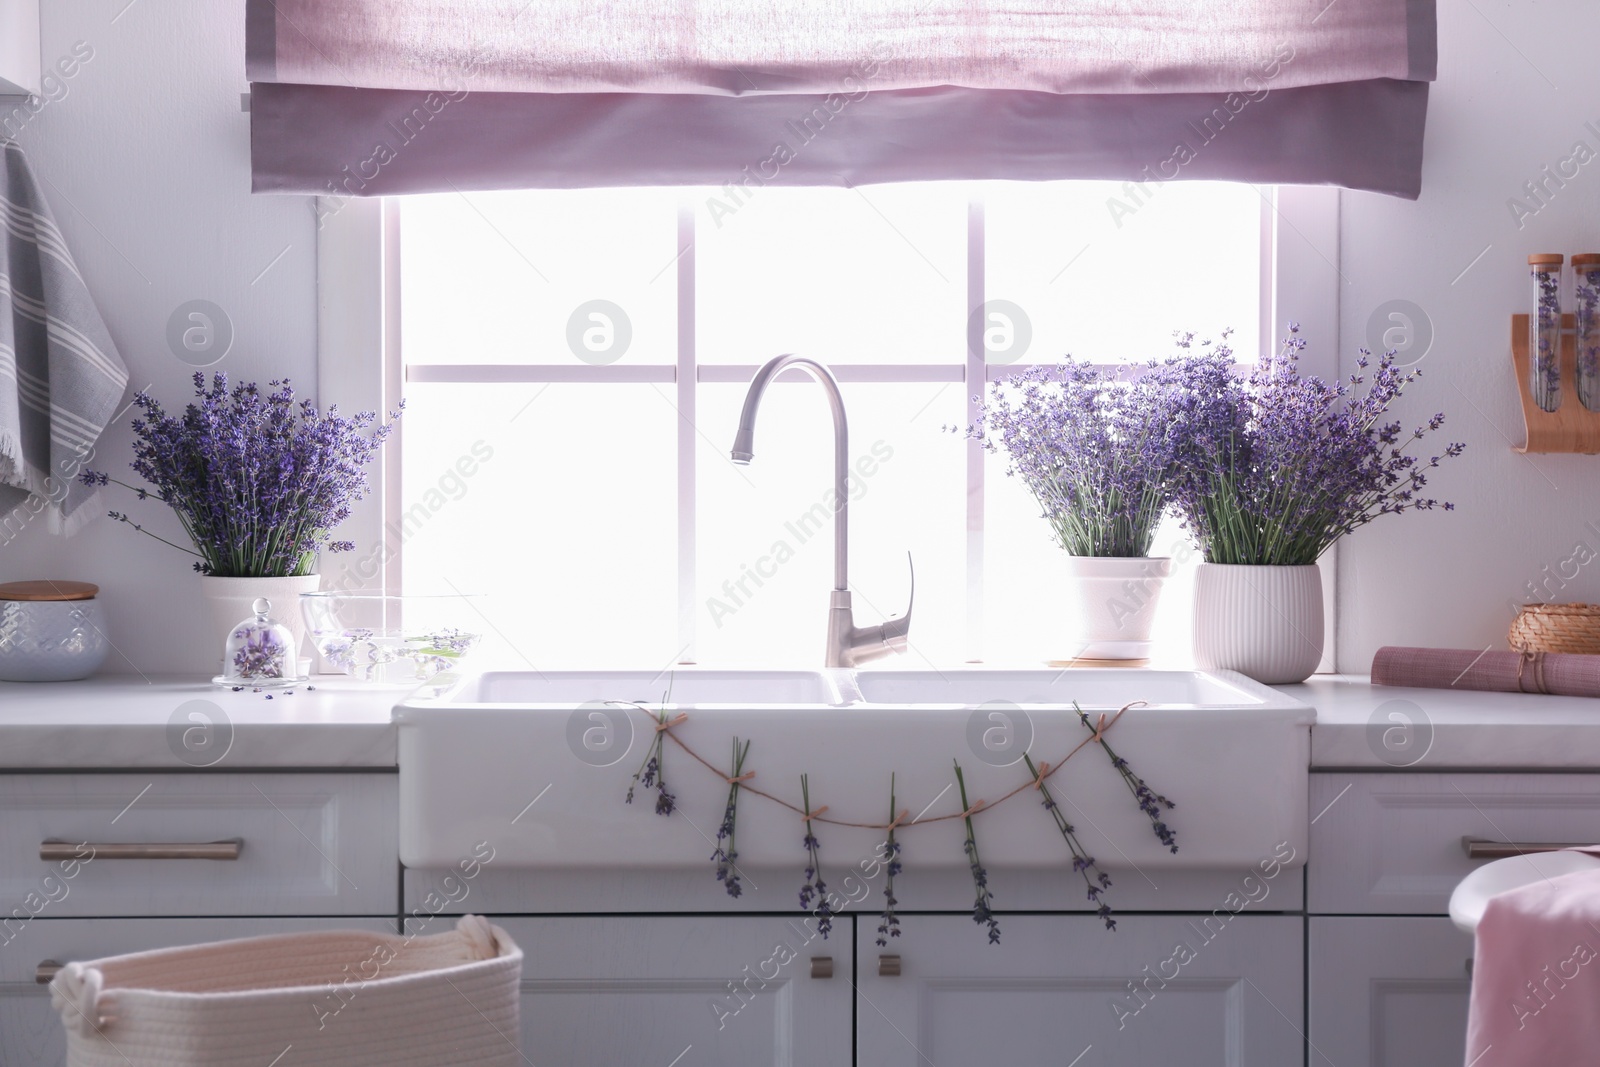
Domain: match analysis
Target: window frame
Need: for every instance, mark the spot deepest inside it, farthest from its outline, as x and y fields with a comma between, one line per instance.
x=358, y=317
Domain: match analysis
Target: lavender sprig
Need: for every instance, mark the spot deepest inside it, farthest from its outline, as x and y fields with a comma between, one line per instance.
x=1275, y=469
x=262, y=655
x=257, y=479
x=889, y=922
x=727, y=851
x=982, y=911
x=1587, y=290
x=1150, y=802
x=1094, y=878
x=652, y=772
x=814, y=888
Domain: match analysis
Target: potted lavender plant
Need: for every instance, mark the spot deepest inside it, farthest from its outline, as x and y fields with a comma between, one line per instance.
x=258, y=482
x=1095, y=452
x=1269, y=473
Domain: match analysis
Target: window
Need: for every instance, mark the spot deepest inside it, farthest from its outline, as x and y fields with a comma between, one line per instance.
x=575, y=362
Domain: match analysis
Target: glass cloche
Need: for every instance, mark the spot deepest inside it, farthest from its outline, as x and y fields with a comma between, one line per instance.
x=260, y=652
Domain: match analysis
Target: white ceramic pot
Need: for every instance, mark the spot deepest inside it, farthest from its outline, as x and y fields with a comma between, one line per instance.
x=1110, y=602
x=1264, y=622
x=230, y=600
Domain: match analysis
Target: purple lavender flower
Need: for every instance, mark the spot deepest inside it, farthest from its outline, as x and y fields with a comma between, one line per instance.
x=889, y=855
x=1587, y=291
x=1095, y=880
x=1545, y=370
x=814, y=888
x=726, y=855
x=1275, y=469
x=258, y=480
x=1150, y=802
x=262, y=655
x=983, y=899
x=1091, y=448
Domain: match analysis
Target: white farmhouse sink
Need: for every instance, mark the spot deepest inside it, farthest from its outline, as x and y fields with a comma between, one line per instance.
x=538, y=765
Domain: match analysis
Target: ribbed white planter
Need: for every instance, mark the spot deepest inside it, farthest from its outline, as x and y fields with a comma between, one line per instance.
x=229, y=600
x=1110, y=602
x=1264, y=622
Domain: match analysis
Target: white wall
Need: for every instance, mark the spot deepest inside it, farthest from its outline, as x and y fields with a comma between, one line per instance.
x=145, y=160
x=1517, y=83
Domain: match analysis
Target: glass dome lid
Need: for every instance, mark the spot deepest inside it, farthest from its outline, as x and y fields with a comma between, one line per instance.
x=260, y=652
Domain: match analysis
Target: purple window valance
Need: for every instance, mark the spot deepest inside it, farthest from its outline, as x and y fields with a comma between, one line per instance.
x=373, y=97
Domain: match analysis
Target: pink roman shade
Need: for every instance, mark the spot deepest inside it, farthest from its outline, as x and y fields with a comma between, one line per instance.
x=367, y=97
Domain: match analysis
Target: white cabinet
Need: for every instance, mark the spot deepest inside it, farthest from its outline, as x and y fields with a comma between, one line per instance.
x=304, y=844
x=722, y=991
x=1060, y=989
x=1388, y=992
x=30, y=1030
x=1388, y=982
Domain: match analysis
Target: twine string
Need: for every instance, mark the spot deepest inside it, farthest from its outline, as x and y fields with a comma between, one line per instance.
x=1103, y=725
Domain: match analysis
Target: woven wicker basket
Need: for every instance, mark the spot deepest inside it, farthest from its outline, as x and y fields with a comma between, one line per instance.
x=1557, y=628
x=339, y=999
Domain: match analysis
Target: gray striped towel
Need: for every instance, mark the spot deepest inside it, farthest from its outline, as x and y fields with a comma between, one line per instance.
x=61, y=379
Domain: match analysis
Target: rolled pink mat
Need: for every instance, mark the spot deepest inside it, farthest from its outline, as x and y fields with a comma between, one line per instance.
x=1557, y=673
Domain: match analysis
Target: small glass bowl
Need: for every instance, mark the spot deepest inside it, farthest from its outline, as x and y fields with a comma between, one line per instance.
x=389, y=640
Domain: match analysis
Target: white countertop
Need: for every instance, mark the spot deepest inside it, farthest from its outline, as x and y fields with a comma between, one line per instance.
x=1377, y=727
x=122, y=721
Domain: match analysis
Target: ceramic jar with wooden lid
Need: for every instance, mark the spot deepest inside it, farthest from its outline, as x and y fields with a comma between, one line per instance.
x=50, y=631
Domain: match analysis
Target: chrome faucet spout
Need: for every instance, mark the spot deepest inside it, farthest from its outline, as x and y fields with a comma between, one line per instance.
x=848, y=644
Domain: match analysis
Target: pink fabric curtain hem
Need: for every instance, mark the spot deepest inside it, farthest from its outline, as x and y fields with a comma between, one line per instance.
x=336, y=141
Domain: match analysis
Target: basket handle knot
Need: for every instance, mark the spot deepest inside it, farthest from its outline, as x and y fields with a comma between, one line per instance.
x=476, y=931
x=75, y=993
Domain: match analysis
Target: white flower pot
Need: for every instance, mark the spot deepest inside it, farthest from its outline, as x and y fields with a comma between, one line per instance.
x=230, y=600
x=1110, y=603
x=1264, y=622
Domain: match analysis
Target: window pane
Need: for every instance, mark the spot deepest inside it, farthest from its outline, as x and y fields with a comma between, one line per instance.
x=873, y=275
x=557, y=503
x=766, y=530
x=1106, y=272
x=549, y=276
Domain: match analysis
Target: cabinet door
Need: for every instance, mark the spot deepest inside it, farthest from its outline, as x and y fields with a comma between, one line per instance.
x=1388, y=992
x=725, y=991
x=30, y=1029
x=1061, y=989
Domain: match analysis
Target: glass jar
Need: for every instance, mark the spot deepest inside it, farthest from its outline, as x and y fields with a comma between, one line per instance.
x=1544, y=331
x=259, y=652
x=1586, y=305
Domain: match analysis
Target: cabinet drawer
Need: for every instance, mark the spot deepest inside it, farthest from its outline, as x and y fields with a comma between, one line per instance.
x=307, y=844
x=1392, y=843
x=30, y=1029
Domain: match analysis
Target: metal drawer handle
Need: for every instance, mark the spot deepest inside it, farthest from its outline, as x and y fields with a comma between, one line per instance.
x=45, y=971
x=1478, y=849
x=822, y=966
x=201, y=850
x=888, y=966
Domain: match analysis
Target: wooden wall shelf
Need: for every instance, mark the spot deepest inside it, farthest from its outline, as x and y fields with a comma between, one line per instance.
x=1571, y=427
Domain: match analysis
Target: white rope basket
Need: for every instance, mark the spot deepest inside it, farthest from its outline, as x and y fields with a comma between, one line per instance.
x=345, y=998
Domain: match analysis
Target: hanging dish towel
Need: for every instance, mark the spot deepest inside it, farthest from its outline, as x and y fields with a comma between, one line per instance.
x=341, y=999
x=61, y=379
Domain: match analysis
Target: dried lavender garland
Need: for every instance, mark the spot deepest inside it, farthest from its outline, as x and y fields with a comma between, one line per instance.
x=1150, y=802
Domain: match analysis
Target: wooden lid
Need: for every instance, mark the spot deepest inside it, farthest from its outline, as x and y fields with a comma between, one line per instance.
x=1586, y=259
x=47, y=589
x=1545, y=259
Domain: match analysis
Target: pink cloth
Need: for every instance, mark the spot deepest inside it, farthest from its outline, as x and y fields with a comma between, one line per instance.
x=1536, y=975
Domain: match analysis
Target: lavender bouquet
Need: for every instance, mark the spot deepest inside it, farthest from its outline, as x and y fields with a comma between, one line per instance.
x=257, y=479
x=1273, y=470
x=1093, y=450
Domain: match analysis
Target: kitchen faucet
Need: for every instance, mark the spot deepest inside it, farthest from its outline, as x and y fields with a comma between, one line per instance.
x=848, y=644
